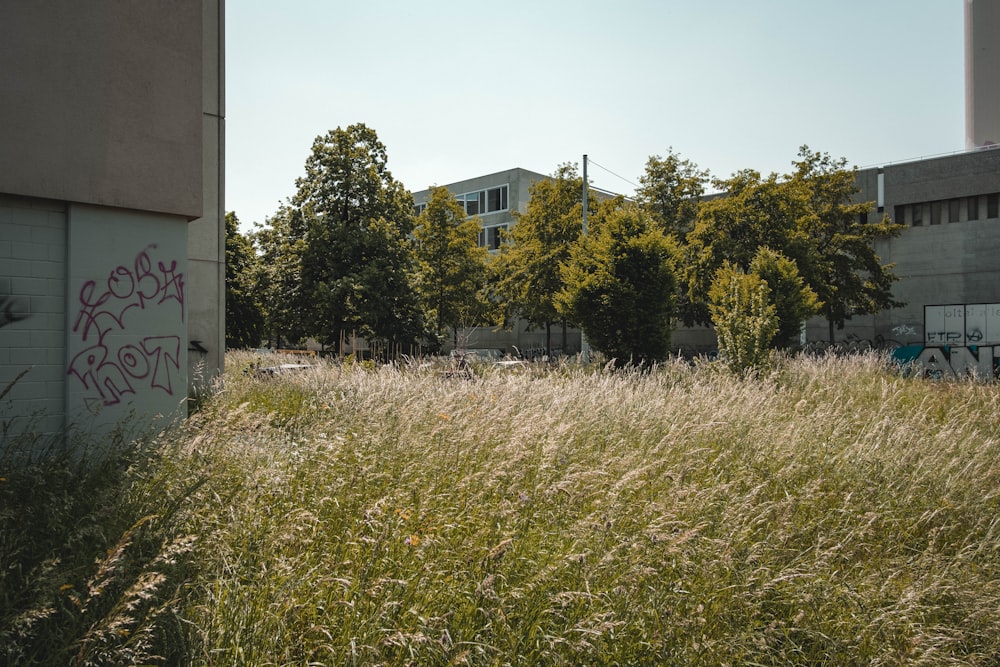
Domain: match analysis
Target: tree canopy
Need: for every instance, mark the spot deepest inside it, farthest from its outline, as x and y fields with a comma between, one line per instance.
x=527, y=272
x=353, y=219
x=619, y=285
x=450, y=264
x=244, y=305
x=809, y=217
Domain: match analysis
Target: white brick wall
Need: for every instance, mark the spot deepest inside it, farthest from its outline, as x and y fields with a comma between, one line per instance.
x=33, y=285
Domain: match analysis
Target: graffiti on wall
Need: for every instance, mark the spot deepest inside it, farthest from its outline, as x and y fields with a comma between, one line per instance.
x=10, y=311
x=950, y=362
x=960, y=340
x=113, y=321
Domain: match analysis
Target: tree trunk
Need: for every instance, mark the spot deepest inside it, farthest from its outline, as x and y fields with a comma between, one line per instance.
x=830, y=323
x=548, y=339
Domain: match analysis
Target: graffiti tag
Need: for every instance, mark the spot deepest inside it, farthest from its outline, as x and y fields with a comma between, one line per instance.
x=8, y=311
x=951, y=362
x=115, y=362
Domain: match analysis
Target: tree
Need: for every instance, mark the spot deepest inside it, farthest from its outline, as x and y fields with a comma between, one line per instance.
x=354, y=219
x=244, y=309
x=279, y=277
x=527, y=271
x=793, y=300
x=745, y=320
x=754, y=213
x=451, y=265
x=671, y=192
x=843, y=267
x=620, y=287
x=808, y=216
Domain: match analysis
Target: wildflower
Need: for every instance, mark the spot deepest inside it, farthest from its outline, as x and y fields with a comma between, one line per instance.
x=412, y=540
x=444, y=416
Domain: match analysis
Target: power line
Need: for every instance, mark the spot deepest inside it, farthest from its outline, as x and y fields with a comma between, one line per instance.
x=591, y=161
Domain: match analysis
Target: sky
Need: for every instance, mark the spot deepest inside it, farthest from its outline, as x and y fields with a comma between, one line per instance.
x=458, y=89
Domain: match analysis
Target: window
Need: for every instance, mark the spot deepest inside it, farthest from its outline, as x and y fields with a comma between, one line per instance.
x=900, y=215
x=918, y=215
x=471, y=201
x=954, y=210
x=419, y=208
x=492, y=237
x=496, y=236
x=993, y=206
x=973, y=208
x=484, y=201
x=496, y=199
x=863, y=218
x=936, y=207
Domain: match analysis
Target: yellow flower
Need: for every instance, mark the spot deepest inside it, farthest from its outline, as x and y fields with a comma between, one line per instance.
x=412, y=540
x=444, y=416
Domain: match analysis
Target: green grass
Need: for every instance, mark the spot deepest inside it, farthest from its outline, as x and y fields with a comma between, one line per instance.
x=829, y=513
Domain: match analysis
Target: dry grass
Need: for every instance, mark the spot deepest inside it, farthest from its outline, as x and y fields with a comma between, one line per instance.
x=831, y=512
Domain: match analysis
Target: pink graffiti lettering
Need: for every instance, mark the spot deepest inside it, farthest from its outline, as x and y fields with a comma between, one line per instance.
x=166, y=350
x=113, y=365
x=97, y=374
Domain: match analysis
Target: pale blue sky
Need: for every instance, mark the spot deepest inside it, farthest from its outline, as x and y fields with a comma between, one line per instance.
x=457, y=89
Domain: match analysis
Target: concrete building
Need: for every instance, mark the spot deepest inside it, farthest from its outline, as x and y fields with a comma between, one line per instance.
x=111, y=210
x=494, y=198
x=948, y=253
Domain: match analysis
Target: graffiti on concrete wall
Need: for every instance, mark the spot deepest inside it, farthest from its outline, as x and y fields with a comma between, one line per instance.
x=960, y=340
x=10, y=311
x=114, y=320
x=950, y=362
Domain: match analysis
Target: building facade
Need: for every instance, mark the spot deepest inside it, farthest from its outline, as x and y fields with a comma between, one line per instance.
x=948, y=253
x=494, y=199
x=111, y=210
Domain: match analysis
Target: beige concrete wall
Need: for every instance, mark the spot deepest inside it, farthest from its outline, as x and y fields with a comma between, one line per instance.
x=206, y=235
x=102, y=102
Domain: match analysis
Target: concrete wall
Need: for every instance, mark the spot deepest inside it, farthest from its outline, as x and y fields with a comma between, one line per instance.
x=111, y=210
x=127, y=332
x=32, y=314
x=102, y=102
x=944, y=263
x=207, y=235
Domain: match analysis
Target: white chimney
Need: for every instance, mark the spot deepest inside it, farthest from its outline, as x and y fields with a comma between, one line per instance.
x=982, y=73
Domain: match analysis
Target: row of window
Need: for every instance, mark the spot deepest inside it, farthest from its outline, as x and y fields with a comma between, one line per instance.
x=491, y=200
x=959, y=209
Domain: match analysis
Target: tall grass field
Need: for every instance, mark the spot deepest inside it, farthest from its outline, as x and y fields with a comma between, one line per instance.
x=829, y=512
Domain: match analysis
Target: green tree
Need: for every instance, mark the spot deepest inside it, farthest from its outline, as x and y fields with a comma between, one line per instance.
x=671, y=190
x=451, y=265
x=810, y=217
x=745, y=320
x=279, y=277
x=843, y=266
x=754, y=213
x=354, y=219
x=794, y=301
x=526, y=273
x=619, y=285
x=244, y=308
